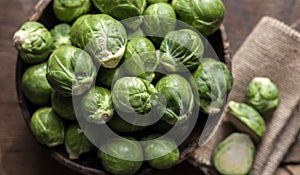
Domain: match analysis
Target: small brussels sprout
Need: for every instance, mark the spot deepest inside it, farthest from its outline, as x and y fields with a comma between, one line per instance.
x=123, y=10
x=160, y=19
x=140, y=58
x=33, y=41
x=162, y=152
x=63, y=106
x=76, y=142
x=71, y=71
x=69, y=10
x=35, y=85
x=149, y=2
x=213, y=82
x=234, y=155
x=121, y=156
x=61, y=35
x=176, y=92
x=205, y=16
x=102, y=36
x=97, y=106
x=47, y=127
x=131, y=94
x=117, y=124
x=263, y=95
x=247, y=119
x=181, y=50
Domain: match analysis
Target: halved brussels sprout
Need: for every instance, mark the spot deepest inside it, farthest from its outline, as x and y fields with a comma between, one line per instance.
x=69, y=10
x=97, y=106
x=76, y=142
x=263, y=95
x=121, y=156
x=131, y=94
x=181, y=50
x=61, y=35
x=160, y=152
x=47, y=127
x=71, y=71
x=140, y=58
x=102, y=36
x=117, y=124
x=35, y=85
x=247, y=119
x=63, y=106
x=149, y=2
x=205, y=16
x=213, y=81
x=176, y=98
x=234, y=155
x=33, y=41
x=123, y=10
x=160, y=19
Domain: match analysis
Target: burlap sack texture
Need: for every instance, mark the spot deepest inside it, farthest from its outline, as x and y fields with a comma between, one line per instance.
x=271, y=50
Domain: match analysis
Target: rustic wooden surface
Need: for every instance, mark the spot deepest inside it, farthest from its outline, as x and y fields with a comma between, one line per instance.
x=19, y=152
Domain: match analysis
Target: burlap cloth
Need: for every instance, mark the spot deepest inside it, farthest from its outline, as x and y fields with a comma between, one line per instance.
x=271, y=50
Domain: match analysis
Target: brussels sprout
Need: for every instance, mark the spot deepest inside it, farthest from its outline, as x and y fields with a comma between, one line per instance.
x=161, y=153
x=247, y=119
x=69, y=10
x=131, y=94
x=176, y=92
x=117, y=124
x=149, y=2
x=63, y=106
x=181, y=50
x=71, y=71
x=35, y=85
x=102, y=36
x=106, y=77
x=61, y=35
x=140, y=58
x=76, y=142
x=263, y=95
x=213, y=81
x=160, y=19
x=205, y=16
x=123, y=10
x=33, y=41
x=234, y=155
x=97, y=106
x=121, y=156
x=47, y=127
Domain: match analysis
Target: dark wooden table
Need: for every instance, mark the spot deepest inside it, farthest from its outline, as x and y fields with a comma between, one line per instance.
x=20, y=153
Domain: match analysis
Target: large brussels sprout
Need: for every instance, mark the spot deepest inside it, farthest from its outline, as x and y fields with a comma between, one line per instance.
x=247, y=119
x=61, y=35
x=102, y=36
x=181, y=50
x=117, y=124
x=263, y=95
x=97, y=106
x=121, y=156
x=140, y=58
x=149, y=2
x=76, y=142
x=160, y=19
x=33, y=41
x=69, y=10
x=176, y=92
x=131, y=94
x=47, y=127
x=130, y=11
x=213, y=81
x=234, y=155
x=204, y=15
x=71, y=71
x=35, y=85
x=160, y=153
x=63, y=106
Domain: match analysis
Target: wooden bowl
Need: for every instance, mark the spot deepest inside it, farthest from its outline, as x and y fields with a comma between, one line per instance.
x=89, y=164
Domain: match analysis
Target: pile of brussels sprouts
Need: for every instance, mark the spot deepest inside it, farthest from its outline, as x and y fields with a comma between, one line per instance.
x=103, y=43
x=236, y=153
